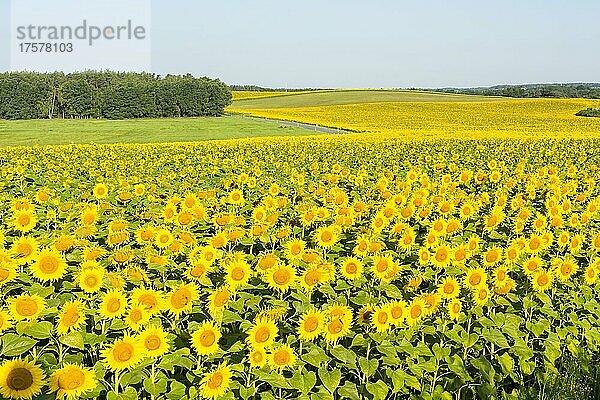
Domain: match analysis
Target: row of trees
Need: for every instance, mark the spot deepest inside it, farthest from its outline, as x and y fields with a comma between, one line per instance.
x=567, y=90
x=112, y=95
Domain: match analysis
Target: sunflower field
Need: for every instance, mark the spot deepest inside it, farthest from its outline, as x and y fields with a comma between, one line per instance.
x=339, y=267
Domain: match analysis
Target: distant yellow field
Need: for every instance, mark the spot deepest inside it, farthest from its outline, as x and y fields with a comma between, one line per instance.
x=531, y=118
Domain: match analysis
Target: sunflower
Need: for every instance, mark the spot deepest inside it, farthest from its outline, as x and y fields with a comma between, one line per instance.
x=24, y=220
x=475, y=277
x=541, y=280
x=565, y=268
x=326, y=236
x=5, y=321
x=454, y=308
x=197, y=271
x=237, y=273
x=137, y=317
x=71, y=317
x=416, y=311
x=338, y=321
x=492, y=256
x=207, y=254
x=163, y=238
x=217, y=300
x=8, y=272
x=384, y=268
x=152, y=300
x=352, y=268
x=72, y=381
x=113, y=304
x=205, y=339
x=441, y=256
x=181, y=298
x=155, y=341
x=311, y=325
x=49, y=265
x=381, y=318
x=257, y=358
x=500, y=276
x=534, y=245
x=26, y=307
x=24, y=249
x=432, y=302
x=100, y=191
x=262, y=333
x=145, y=235
x=267, y=261
x=398, y=311
x=20, y=379
x=89, y=215
x=216, y=383
x=512, y=253
x=449, y=288
x=532, y=265
x=90, y=277
x=281, y=277
x=294, y=250
x=282, y=357
x=311, y=277
x=123, y=354
x=481, y=295
x=459, y=255
x=591, y=275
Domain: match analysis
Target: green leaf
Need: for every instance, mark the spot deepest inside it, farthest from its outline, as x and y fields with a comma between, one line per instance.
x=273, y=378
x=73, y=339
x=155, y=388
x=495, y=336
x=552, y=349
x=379, y=390
x=456, y=365
x=331, y=379
x=315, y=357
x=39, y=330
x=349, y=390
x=470, y=340
x=247, y=392
x=345, y=355
x=178, y=358
x=487, y=370
x=521, y=350
x=304, y=382
x=368, y=367
x=507, y=363
x=15, y=345
x=400, y=379
x=177, y=391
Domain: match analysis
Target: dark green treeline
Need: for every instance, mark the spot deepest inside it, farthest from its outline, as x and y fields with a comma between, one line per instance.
x=112, y=95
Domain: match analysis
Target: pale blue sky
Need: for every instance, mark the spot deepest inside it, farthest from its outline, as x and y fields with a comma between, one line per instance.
x=377, y=43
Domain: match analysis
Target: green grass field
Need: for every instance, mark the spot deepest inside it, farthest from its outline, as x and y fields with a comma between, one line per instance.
x=66, y=131
x=341, y=97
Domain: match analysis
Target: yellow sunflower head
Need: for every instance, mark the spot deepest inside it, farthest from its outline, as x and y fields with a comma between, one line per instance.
x=205, y=338
x=216, y=383
x=72, y=381
x=26, y=307
x=123, y=353
x=49, y=265
x=113, y=304
x=282, y=357
x=20, y=379
x=155, y=341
